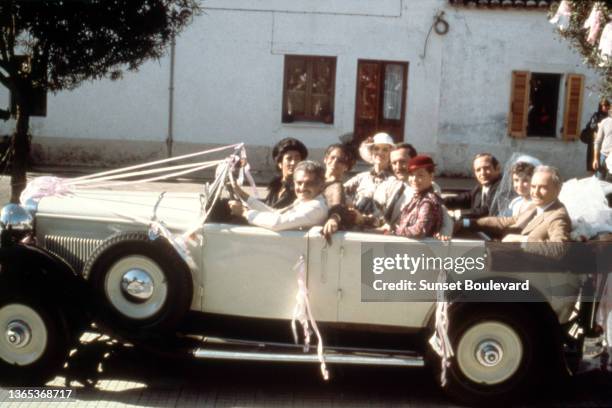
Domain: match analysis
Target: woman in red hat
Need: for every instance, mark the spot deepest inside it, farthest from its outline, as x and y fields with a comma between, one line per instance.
x=422, y=216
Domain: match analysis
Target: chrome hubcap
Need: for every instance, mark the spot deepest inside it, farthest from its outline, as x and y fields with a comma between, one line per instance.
x=25, y=336
x=489, y=353
x=18, y=334
x=137, y=285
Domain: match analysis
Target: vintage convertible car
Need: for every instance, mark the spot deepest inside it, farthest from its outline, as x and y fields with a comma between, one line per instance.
x=90, y=256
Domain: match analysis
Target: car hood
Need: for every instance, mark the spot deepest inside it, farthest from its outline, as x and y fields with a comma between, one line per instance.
x=177, y=210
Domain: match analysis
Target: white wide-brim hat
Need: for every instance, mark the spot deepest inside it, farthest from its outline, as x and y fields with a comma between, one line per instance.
x=379, y=138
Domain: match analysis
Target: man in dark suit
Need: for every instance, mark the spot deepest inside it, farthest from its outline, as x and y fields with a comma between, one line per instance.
x=477, y=202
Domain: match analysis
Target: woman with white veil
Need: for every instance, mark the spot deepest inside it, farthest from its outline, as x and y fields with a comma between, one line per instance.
x=507, y=202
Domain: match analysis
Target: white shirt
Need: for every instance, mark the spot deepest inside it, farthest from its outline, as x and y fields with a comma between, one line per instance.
x=364, y=184
x=603, y=138
x=517, y=206
x=540, y=210
x=300, y=214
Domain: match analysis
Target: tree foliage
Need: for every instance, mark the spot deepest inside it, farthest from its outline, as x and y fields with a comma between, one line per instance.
x=576, y=34
x=66, y=42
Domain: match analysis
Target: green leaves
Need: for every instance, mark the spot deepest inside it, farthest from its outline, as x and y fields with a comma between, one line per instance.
x=79, y=40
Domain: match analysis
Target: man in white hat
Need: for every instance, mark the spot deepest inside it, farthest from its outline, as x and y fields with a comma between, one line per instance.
x=360, y=189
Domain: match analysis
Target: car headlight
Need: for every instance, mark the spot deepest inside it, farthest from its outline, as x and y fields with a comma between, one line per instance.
x=15, y=217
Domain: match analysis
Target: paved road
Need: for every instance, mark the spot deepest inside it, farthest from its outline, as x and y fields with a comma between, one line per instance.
x=108, y=374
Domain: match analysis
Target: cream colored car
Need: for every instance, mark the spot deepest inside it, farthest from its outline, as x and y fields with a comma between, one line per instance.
x=240, y=294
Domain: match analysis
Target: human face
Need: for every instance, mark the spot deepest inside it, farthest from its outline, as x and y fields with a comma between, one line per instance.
x=484, y=171
x=521, y=185
x=335, y=164
x=399, y=163
x=307, y=186
x=543, y=189
x=604, y=107
x=380, y=156
x=420, y=179
x=288, y=162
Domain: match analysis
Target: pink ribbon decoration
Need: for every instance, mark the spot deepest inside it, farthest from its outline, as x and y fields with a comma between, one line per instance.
x=593, y=23
x=440, y=342
x=303, y=314
x=562, y=17
x=45, y=186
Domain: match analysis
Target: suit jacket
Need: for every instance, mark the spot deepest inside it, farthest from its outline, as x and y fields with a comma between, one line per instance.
x=545, y=233
x=472, y=201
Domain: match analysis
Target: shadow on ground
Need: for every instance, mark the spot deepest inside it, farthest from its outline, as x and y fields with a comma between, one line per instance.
x=105, y=370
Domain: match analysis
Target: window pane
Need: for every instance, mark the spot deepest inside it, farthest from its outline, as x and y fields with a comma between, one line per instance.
x=297, y=85
x=309, y=88
x=368, y=97
x=321, y=87
x=322, y=77
x=394, y=85
x=320, y=106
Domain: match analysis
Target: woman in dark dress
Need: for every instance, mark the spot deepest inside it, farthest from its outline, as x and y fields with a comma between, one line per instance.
x=588, y=134
x=339, y=159
x=286, y=154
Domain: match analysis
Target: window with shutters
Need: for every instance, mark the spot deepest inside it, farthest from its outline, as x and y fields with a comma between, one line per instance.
x=534, y=105
x=308, y=89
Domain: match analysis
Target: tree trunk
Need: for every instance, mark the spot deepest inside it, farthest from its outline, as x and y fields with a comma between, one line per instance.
x=21, y=148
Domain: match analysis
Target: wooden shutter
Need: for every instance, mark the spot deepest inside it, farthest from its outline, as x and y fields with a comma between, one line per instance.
x=573, y=106
x=519, y=104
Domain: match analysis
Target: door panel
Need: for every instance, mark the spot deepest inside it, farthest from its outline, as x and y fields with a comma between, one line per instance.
x=248, y=271
x=351, y=309
x=380, y=99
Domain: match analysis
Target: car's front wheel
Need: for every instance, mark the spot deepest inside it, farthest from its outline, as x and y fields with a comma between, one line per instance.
x=33, y=341
x=139, y=283
x=497, y=354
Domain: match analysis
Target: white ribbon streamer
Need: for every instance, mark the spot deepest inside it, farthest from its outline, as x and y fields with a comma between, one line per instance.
x=158, y=228
x=605, y=45
x=593, y=23
x=303, y=314
x=157, y=178
x=139, y=166
x=440, y=342
x=562, y=17
x=245, y=171
x=143, y=173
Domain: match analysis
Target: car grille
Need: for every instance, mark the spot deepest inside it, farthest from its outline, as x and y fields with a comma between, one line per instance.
x=73, y=250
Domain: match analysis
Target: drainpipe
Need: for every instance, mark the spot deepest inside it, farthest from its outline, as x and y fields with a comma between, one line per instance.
x=170, y=137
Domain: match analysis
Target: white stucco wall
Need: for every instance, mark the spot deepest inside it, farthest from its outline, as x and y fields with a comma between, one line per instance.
x=479, y=55
x=238, y=91
x=229, y=77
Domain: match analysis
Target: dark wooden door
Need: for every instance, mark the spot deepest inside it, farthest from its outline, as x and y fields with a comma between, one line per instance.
x=381, y=99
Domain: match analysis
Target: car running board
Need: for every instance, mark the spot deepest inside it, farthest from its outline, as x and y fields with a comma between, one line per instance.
x=231, y=349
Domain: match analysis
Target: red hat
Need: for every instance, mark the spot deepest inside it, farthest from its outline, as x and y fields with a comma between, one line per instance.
x=421, y=161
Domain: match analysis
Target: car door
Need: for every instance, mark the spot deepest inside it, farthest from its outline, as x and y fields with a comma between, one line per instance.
x=351, y=309
x=248, y=271
x=323, y=269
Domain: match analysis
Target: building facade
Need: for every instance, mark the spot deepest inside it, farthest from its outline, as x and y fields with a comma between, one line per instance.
x=453, y=78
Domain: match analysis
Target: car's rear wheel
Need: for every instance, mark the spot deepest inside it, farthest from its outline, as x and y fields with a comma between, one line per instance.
x=139, y=283
x=33, y=341
x=497, y=354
